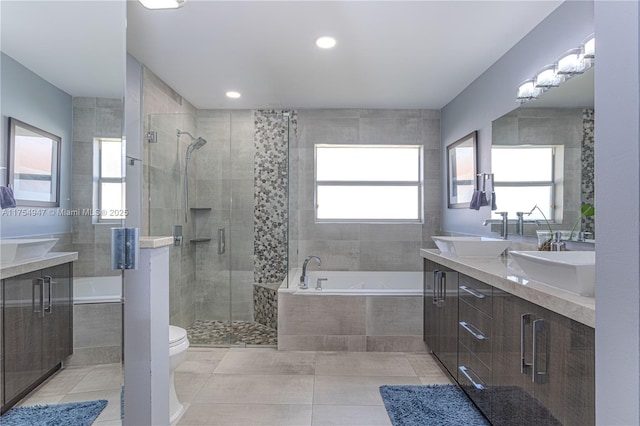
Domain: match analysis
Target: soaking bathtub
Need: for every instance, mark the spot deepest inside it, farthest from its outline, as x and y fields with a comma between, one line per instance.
x=97, y=289
x=354, y=311
x=97, y=320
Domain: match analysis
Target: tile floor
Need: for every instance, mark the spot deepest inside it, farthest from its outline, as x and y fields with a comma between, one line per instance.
x=261, y=386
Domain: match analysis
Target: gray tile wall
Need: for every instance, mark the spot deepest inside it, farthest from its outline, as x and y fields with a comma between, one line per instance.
x=96, y=334
x=165, y=111
x=363, y=246
x=92, y=118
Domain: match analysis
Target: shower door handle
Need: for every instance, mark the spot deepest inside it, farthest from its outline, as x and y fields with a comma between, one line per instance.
x=221, y=241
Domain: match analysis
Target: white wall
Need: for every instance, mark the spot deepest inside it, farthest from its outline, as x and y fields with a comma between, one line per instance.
x=617, y=156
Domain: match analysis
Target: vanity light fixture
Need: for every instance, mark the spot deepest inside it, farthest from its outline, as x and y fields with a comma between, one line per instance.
x=163, y=4
x=528, y=90
x=325, y=42
x=572, y=62
x=549, y=77
x=233, y=94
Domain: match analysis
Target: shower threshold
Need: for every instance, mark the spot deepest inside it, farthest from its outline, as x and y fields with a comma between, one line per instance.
x=236, y=333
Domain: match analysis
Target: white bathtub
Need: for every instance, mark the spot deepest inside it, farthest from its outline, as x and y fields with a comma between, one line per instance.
x=97, y=290
x=359, y=283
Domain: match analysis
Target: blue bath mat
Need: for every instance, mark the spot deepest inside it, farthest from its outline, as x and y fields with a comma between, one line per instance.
x=71, y=414
x=442, y=405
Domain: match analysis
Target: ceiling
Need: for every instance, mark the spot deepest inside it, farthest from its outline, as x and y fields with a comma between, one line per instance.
x=78, y=46
x=390, y=54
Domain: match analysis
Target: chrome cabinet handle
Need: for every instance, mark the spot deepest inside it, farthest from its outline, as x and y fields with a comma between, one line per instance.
x=40, y=307
x=443, y=286
x=471, y=329
x=524, y=365
x=48, y=309
x=436, y=281
x=537, y=376
x=464, y=370
x=221, y=241
x=472, y=292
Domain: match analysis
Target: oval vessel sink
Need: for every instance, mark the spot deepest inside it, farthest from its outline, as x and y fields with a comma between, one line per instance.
x=574, y=271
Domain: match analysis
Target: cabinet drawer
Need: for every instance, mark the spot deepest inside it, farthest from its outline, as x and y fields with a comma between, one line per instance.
x=474, y=332
x=476, y=293
x=475, y=379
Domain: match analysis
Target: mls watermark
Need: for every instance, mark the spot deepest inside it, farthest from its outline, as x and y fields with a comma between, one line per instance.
x=33, y=212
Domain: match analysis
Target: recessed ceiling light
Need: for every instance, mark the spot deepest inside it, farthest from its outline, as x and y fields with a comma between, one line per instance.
x=325, y=42
x=162, y=4
x=232, y=94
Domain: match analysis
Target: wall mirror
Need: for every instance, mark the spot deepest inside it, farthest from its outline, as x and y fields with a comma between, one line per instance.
x=34, y=168
x=543, y=154
x=461, y=171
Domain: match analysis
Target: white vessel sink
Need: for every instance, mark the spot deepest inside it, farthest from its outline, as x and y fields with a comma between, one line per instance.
x=574, y=271
x=19, y=249
x=471, y=246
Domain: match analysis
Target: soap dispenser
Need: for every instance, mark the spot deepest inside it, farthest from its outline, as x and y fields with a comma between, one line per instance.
x=557, y=244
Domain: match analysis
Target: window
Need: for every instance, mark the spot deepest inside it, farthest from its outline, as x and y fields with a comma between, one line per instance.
x=109, y=191
x=368, y=183
x=526, y=176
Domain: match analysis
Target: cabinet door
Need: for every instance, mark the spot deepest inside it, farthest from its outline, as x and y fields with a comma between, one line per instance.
x=441, y=314
x=22, y=333
x=57, y=325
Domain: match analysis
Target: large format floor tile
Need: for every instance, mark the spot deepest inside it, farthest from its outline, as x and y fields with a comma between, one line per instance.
x=267, y=361
x=256, y=389
x=247, y=414
x=261, y=386
x=355, y=390
x=363, y=364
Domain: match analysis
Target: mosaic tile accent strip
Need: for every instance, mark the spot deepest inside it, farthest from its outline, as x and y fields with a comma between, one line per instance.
x=265, y=306
x=588, y=165
x=270, y=193
x=212, y=333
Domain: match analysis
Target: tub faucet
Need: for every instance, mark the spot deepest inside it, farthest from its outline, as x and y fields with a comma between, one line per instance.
x=304, y=280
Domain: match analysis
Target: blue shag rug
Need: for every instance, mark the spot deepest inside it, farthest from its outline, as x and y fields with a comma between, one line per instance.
x=442, y=405
x=71, y=414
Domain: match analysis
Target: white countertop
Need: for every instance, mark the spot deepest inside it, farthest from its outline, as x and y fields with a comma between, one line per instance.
x=29, y=265
x=155, y=242
x=500, y=272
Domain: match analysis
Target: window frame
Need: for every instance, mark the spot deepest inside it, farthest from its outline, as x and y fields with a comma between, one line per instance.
x=99, y=180
x=555, y=203
x=419, y=185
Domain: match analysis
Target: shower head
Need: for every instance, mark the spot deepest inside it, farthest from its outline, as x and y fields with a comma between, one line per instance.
x=195, y=145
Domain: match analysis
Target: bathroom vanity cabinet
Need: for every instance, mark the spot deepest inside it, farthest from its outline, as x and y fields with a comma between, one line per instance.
x=519, y=362
x=441, y=312
x=37, y=328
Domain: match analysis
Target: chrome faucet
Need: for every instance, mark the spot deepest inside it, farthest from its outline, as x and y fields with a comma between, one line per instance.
x=521, y=222
x=304, y=280
x=557, y=244
x=504, y=231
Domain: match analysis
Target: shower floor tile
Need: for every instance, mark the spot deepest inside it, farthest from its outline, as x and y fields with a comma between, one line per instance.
x=235, y=333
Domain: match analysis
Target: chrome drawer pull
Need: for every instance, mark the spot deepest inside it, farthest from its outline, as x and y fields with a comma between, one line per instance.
x=472, y=292
x=524, y=365
x=470, y=328
x=537, y=376
x=49, y=309
x=463, y=370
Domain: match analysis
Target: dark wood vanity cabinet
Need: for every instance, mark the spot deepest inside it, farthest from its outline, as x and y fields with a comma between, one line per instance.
x=520, y=364
x=441, y=314
x=544, y=366
x=36, y=328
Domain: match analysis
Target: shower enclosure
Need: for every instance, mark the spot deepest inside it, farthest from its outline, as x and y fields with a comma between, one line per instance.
x=219, y=291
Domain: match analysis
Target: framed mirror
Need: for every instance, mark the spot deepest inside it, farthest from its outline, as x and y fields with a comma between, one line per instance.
x=34, y=165
x=461, y=170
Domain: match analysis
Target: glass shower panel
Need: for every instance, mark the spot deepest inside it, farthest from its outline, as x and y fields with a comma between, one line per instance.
x=165, y=192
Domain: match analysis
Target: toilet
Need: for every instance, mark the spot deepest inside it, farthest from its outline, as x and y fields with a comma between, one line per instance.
x=178, y=345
